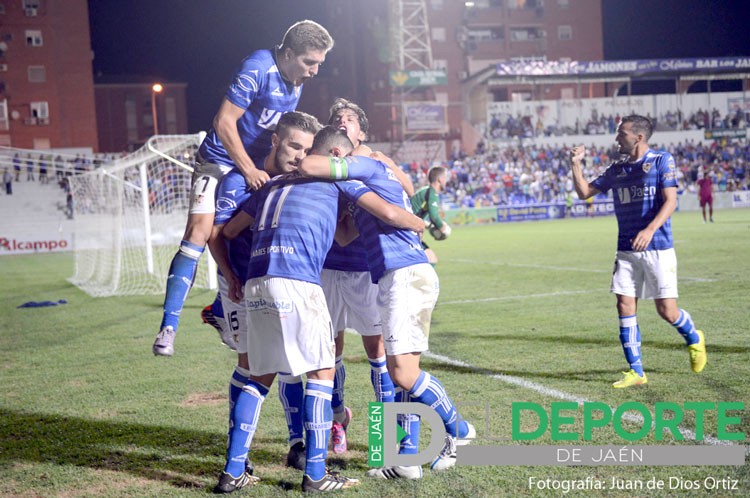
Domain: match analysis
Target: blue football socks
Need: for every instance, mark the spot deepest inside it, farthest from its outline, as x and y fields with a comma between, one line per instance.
x=337, y=401
x=243, y=420
x=410, y=422
x=292, y=395
x=179, y=281
x=381, y=380
x=630, y=338
x=429, y=391
x=686, y=328
x=318, y=418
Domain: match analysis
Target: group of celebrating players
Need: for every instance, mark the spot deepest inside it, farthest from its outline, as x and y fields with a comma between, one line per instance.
x=315, y=233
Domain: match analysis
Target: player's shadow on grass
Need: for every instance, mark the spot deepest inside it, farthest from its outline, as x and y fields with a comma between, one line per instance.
x=182, y=458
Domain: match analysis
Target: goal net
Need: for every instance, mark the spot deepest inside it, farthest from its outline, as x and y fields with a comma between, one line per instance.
x=129, y=217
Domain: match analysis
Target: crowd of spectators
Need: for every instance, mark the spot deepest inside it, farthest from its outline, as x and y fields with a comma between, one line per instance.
x=506, y=126
x=702, y=120
x=512, y=174
x=44, y=166
x=498, y=174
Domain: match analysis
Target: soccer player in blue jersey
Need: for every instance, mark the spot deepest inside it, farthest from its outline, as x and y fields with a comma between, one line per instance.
x=408, y=289
x=268, y=84
x=350, y=294
x=293, y=221
x=644, y=188
x=291, y=141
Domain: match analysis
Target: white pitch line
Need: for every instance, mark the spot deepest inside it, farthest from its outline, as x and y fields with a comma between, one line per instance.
x=546, y=391
x=526, y=296
x=539, y=267
x=563, y=268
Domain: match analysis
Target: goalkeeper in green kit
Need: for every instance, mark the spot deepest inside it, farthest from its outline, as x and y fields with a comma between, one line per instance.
x=425, y=203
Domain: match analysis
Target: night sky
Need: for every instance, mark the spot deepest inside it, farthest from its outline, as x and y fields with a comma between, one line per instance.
x=196, y=42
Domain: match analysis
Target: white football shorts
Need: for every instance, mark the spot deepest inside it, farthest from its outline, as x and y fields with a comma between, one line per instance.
x=289, y=328
x=235, y=316
x=352, y=301
x=206, y=177
x=406, y=298
x=645, y=274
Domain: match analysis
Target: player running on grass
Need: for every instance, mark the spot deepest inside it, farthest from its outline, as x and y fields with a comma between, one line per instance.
x=644, y=186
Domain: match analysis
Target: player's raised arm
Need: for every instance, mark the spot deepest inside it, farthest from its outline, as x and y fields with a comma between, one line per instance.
x=583, y=188
x=403, y=178
x=389, y=213
x=319, y=166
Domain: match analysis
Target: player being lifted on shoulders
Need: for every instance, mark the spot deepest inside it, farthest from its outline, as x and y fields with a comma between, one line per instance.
x=644, y=187
x=267, y=84
x=407, y=292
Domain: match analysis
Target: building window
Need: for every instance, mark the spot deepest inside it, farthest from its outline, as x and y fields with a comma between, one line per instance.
x=42, y=144
x=131, y=119
x=527, y=34
x=563, y=4
x=34, y=38
x=4, y=123
x=30, y=4
x=170, y=108
x=39, y=110
x=2, y=8
x=37, y=74
x=526, y=4
x=436, y=4
x=485, y=34
x=564, y=33
x=438, y=34
x=440, y=64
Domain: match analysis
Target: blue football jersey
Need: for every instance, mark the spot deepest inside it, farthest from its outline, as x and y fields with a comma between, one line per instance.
x=388, y=247
x=295, y=221
x=259, y=88
x=231, y=193
x=637, y=192
x=351, y=257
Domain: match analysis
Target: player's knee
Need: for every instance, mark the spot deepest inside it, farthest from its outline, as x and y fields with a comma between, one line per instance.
x=198, y=229
x=373, y=345
x=190, y=250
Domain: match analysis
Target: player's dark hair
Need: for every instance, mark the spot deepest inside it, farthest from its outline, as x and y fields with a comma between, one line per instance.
x=340, y=105
x=306, y=35
x=299, y=120
x=434, y=173
x=641, y=124
x=328, y=138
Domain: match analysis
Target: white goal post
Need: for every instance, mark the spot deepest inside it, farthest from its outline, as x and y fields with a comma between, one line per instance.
x=129, y=217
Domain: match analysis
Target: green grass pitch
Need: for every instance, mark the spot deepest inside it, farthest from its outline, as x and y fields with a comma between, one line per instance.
x=524, y=315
